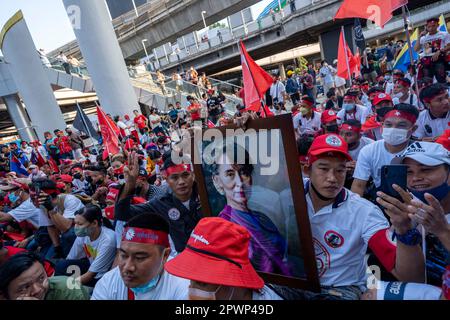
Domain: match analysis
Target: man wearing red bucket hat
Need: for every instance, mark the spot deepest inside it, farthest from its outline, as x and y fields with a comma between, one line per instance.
x=343, y=225
x=221, y=248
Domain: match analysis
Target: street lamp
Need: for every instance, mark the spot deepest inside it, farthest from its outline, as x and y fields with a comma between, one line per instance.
x=145, y=49
x=203, y=17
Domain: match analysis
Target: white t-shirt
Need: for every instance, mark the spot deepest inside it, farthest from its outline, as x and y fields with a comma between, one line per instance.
x=361, y=114
x=112, y=287
x=100, y=252
x=123, y=126
x=435, y=126
x=27, y=211
x=431, y=43
x=265, y=294
x=326, y=72
x=154, y=118
x=411, y=99
x=71, y=205
x=276, y=91
x=362, y=143
x=389, y=88
x=341, y=233
x=303, y=125
x=370, y=160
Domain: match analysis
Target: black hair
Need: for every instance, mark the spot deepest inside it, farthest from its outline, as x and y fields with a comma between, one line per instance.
x=408, y=108
x=432, y=91
x=303, y=145
x=154, y=154
x=94, y=213
x=99, y=169
x=149, y=220
x=374, y=90
x=116, y=118
x=353, y=123
x=425, y=82
x=331, y=93
x=14, y=267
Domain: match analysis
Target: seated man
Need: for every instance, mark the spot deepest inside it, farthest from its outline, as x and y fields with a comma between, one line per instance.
x=221, y=249
x=140, y=274
x=343, y=225
x=23, y=277
x=307, y=121
x=351, y=110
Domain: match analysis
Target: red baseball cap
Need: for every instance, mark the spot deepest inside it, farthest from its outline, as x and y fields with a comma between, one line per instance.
x=328, y=143
x=380, y=97
x=328, y=116
x=217, y=253
x=65, y=178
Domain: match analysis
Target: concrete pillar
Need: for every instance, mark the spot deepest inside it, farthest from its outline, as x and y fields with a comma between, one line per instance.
x=282, y=72
x=19, y=117
x=101, y=51
x=30, y=77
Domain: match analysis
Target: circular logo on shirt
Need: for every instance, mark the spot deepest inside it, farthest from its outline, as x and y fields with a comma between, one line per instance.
x=333, y=141
x=331, y=113
x=333, y=239
x=174, y=214
x=322, y=257
x=130, y=234
x=382, y=96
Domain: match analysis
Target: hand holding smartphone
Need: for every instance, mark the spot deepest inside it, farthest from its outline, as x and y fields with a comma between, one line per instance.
x=393, y=174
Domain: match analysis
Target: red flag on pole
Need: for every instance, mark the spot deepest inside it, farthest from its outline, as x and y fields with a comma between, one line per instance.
x=210, y=124
x=346, y=60
x=378, y=11
x=109, y=135
x=256, y=80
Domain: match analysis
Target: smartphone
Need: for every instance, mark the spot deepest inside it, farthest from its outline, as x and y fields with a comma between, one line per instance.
x=393, y=174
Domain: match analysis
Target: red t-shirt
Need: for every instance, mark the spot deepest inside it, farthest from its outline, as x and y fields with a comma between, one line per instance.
x=195, y=115
x=140, y=121
x=63, y=144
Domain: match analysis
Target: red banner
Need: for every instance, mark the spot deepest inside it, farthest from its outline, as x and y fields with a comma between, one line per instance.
x=109, y=135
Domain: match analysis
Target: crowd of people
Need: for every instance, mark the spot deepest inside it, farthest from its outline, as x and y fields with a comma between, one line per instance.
x=76, y=224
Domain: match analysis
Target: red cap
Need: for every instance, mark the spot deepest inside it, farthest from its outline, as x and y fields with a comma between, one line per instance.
x=217, y=253
x=60, y=185
x=328, y=116
x=328, y=143
x=380, y=98
x=65, y=178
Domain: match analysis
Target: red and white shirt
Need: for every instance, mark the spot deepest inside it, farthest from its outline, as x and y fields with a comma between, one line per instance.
x=341, y=234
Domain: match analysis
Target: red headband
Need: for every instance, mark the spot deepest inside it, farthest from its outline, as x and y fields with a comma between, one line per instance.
x=401, y=114
x=178, y=169
x=148, y=236
x=348, y=96
x=404, y=83
x=428, y=99
x=348, y=127
x=307, y=103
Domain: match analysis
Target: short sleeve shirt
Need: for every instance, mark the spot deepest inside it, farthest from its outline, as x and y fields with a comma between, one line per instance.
x=429, y=126
x=27, y=211
x=140, y=121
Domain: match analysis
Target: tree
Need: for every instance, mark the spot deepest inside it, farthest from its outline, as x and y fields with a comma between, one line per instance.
x=217, y=25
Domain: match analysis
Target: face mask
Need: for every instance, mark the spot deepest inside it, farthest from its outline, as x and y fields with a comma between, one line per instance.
x=151, y=284
x=332, y=128
x=353, y=145
x=439, y=192
x=100, y=182
x=82, y=231
x=304, y=111
x=348, y=106
x=387, y=78
x=13, y=198
x=77, y=176
x=198, y=294
x=394, y=136
x=397, y=95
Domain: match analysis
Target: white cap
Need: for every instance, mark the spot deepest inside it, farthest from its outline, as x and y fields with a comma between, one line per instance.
x=427, y=153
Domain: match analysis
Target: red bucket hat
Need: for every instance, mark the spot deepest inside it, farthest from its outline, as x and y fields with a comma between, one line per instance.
x=217, y=253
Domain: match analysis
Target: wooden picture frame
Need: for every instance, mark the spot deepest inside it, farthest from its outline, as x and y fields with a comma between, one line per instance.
x=284, y=124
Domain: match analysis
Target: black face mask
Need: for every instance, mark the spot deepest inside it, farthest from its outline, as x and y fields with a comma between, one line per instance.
x=99, y=182
x=332, y=128
x=89, y=179
x=77, y=176
x=353, y=145
x=382, y=112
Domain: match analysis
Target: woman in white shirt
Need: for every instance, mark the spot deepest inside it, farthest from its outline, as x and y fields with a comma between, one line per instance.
x=94, y=249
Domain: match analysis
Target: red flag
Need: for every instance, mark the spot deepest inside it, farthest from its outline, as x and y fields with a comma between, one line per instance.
x=256, y=80
x=266, y=113
x=210, y=124
x=53, y=165
x=344, y=63
x=378, y=11
x=109, y=135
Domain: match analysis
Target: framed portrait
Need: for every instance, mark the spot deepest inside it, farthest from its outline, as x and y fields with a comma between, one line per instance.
x=252, y=177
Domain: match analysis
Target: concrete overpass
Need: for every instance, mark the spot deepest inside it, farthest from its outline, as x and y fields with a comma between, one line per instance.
x=309, y=24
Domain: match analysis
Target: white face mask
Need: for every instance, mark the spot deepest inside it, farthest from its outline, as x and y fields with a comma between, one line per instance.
x=394, y=136
x=397, y=95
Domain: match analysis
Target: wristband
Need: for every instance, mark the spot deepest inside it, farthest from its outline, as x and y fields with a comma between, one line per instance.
x=410, y=238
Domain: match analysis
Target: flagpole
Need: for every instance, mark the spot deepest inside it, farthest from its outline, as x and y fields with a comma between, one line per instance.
x=408, y=39
x=110, y=128
x=346, y=55
x=86, y=126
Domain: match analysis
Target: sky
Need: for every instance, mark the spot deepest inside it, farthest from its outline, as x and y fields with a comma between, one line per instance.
x=48, y=22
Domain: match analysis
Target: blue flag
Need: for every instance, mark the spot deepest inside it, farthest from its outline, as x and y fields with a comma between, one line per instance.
x=16, y=166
